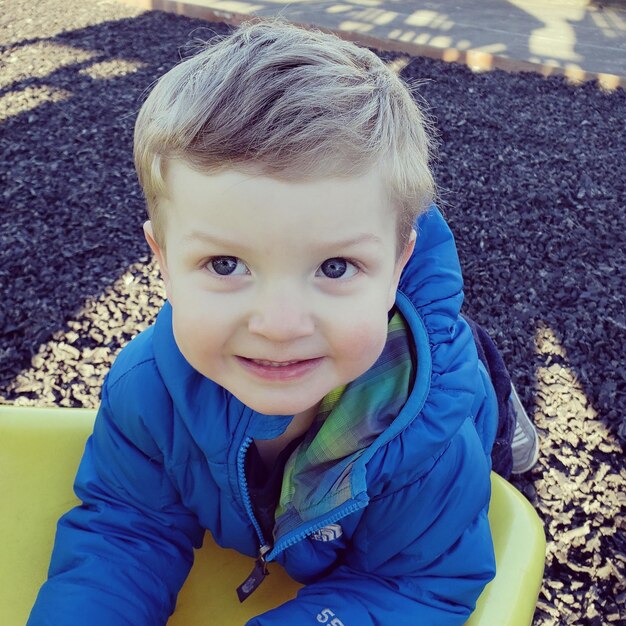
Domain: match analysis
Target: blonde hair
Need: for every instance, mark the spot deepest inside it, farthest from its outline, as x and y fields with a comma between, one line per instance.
x=290, y=103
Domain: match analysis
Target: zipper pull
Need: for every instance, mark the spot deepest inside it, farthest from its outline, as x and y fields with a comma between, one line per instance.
x=256, y=576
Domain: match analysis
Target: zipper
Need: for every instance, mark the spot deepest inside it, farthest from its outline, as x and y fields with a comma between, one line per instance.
x=259, y=571
x=268, y=552
x=241, y=459
x=255, y=577
x=295, y=536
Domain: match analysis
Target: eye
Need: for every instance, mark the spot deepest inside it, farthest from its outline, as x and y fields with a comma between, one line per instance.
x=227, y=266
x=338, y=268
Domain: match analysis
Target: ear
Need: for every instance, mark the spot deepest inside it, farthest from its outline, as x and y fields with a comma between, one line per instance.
x=403, y=259
x=148, y=232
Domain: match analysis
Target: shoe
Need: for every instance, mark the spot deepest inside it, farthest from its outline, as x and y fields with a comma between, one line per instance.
x=525, y=445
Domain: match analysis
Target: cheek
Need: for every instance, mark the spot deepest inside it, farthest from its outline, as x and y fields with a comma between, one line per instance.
x=361, y=341
x=198, y=311
x=200, y=331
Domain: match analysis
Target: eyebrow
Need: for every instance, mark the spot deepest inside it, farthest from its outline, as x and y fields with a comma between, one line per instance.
x=353, y=241
x=343, y=243
x=200, y=236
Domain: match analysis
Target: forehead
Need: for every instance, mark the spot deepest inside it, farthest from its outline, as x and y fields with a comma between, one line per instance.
x=251, y=204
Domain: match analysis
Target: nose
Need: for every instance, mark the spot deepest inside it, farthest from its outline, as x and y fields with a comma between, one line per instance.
x=281, y=315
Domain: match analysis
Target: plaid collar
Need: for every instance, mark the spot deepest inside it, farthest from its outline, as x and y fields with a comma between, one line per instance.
x=317, y=474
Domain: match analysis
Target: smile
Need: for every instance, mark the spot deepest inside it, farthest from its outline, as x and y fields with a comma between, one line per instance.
x=274, y=363
x=280, y=371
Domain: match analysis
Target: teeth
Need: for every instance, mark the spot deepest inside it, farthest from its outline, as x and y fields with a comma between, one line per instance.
x=273, y=363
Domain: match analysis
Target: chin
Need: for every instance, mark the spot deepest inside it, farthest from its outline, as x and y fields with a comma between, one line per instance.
x=272, y=409
x=276, y=408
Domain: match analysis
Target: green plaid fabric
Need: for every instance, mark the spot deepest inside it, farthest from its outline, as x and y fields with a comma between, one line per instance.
x=317, y=474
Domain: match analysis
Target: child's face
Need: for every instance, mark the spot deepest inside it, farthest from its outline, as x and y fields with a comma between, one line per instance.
x=279, y=290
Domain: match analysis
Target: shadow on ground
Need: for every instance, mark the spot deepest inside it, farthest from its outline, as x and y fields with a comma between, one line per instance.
x=72, y=208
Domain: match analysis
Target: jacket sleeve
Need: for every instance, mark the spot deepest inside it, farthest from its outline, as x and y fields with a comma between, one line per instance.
x=122, y=555
x=420, y=557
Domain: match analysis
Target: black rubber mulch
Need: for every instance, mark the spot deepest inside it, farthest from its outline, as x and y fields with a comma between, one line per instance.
x=532, y=174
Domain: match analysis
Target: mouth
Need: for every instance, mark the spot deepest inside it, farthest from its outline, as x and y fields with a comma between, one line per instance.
x=279, y=370
x=277, y=363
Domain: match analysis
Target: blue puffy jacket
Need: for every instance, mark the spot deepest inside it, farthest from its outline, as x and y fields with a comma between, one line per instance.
x=166, y=461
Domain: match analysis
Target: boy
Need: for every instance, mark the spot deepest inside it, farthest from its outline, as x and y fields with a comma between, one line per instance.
x=309, y=393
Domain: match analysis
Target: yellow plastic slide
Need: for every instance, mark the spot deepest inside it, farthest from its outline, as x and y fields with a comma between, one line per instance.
x=39, y=454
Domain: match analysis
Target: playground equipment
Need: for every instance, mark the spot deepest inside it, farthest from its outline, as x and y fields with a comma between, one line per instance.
x=39, y=454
